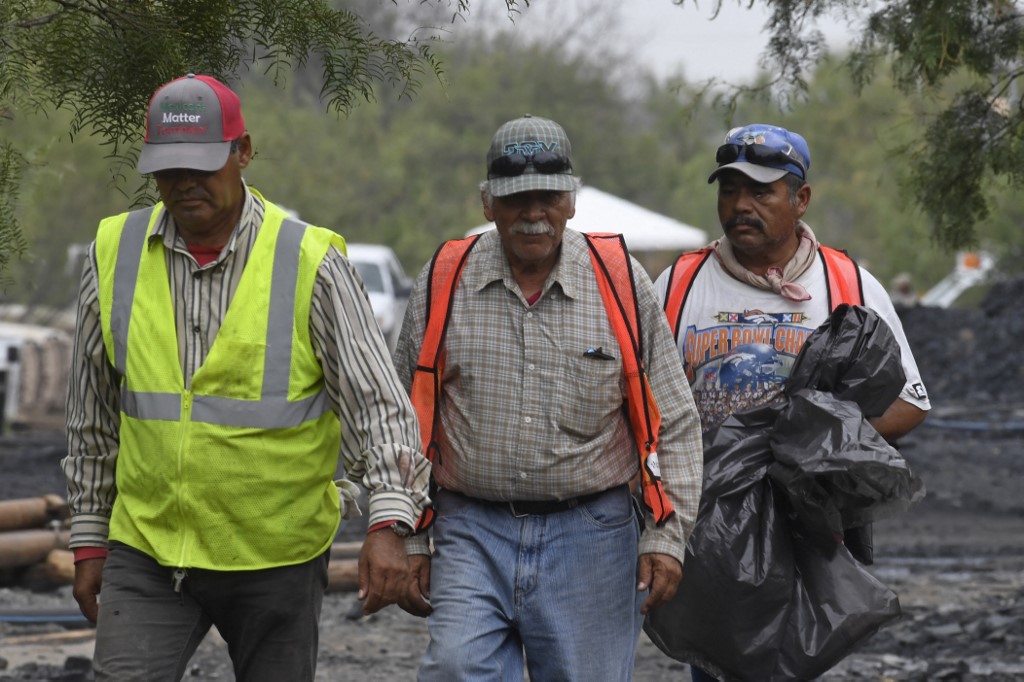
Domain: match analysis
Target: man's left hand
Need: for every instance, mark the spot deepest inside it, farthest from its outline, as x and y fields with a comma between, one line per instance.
x=661, y=573
x=383, y=570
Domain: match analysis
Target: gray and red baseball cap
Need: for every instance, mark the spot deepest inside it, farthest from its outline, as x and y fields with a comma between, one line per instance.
x=191, y=123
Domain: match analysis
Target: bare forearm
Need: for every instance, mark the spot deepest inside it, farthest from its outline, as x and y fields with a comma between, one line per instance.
x=898, y=420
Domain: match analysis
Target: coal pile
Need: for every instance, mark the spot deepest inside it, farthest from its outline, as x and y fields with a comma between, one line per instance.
x=972, y=355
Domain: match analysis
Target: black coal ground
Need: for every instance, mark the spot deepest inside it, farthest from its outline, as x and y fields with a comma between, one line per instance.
x=956, y=559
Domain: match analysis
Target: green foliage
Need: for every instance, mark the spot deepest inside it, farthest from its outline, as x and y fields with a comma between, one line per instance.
x=970, y=138
x=10, y=175
x=405, y=172
x=101, y=60
x=975, y=139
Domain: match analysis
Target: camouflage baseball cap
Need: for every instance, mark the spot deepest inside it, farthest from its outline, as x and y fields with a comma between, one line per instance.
x=530, y=153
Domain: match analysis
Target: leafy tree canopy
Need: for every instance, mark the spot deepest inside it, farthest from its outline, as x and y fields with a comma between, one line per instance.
x=101, y=60
x=406, y=173
x=975, y=138
x=89, y=66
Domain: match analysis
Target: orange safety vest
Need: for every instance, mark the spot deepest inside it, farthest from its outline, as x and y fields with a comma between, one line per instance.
x=841, y=273
x=614, y=272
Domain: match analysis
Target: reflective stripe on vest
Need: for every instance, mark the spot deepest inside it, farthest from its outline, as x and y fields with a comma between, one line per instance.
x=614, y=275
x=842, y=277
x=273, y=410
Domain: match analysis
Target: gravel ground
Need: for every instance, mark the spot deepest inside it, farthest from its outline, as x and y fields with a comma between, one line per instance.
x=956, y=559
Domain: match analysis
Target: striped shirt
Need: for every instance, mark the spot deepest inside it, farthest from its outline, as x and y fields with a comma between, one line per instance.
x=525, y=415
x=380, y=445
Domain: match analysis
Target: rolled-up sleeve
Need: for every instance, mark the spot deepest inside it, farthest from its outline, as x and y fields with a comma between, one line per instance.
x=93, y=421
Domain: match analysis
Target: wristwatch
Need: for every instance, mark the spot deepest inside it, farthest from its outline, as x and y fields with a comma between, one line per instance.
x=402, y=530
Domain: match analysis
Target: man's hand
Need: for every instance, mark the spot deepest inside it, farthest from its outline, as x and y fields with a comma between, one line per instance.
x=88, y=580
x=384, y=574
x=661, y=573
x=418, y=598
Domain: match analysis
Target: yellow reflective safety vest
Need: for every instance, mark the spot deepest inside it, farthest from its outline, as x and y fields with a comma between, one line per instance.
x=236, y=472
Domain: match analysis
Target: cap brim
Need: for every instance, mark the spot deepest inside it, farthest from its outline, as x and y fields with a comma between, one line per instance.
x=528, y=182
x=753, y=171
x=202, y=156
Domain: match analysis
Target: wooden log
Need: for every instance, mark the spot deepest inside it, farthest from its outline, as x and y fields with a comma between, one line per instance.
x=27, y=547
x=345, y=550
x=51, y=638
x=31, y=512
x=343, y=575
x=55, y=570
x=59, y=567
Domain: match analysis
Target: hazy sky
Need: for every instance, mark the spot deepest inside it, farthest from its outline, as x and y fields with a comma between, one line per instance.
x=684, y=36
x=657, y=33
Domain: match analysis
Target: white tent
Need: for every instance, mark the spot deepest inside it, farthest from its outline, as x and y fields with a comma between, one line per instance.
x=643, y=229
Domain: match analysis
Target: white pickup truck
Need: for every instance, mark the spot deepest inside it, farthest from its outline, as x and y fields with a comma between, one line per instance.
x=386, y=283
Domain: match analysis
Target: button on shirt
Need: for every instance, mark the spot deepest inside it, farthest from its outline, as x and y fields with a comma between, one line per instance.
x=380, y=444
x=527, y=415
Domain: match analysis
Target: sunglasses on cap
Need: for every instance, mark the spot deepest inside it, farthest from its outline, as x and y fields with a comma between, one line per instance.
x=759, y=154
x=511, y=165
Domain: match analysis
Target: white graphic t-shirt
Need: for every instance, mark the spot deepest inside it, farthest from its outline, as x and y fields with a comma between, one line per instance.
x=739, y=343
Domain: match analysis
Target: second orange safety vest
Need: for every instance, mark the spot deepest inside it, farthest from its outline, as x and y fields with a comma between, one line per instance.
x=614, y=272
x=841, y=272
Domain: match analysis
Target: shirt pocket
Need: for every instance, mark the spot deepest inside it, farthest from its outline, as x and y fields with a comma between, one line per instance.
x=593, y=395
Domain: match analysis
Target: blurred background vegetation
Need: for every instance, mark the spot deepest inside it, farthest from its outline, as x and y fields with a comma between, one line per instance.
x=403, y=171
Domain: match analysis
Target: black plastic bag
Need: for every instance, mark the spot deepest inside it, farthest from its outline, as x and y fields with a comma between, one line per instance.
x=854, y=356
x=768, y=590
x=839, y=474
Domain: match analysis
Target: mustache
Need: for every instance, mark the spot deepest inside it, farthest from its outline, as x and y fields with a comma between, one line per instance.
x=195, y=193
x=738, y=220
x=531, y=228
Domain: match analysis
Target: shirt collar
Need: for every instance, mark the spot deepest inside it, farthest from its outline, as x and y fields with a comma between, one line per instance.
x=491, y=264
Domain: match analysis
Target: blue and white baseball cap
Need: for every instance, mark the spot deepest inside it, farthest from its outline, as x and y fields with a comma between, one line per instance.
x=763, y=152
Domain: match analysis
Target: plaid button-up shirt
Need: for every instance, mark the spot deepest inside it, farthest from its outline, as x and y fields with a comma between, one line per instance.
x=525, y=415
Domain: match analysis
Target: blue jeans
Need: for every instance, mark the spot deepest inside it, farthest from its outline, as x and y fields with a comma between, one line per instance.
x=557, y=591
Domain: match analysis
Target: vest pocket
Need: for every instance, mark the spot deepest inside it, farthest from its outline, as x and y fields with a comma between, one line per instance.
x=233, y=369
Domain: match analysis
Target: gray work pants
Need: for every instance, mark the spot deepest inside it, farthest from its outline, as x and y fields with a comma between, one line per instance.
x=148, y=631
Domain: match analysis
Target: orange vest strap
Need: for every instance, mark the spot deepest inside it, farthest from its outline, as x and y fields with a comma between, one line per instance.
x=843, y=277
x=614, y=272
x=683, y=272
x=445, y=271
